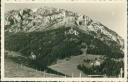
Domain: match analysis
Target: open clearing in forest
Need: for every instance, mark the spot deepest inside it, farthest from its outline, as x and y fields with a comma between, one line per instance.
x=69, y=66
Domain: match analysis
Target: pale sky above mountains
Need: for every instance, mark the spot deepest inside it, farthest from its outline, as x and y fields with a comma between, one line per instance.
x=111, y=15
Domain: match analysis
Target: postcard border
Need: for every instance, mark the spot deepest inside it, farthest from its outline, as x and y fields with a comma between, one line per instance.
x=54, y=79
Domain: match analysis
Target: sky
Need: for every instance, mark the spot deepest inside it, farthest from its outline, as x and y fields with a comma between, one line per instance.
x=111, y=15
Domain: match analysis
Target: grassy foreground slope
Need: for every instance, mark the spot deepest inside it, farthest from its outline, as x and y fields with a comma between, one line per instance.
x=18, y=69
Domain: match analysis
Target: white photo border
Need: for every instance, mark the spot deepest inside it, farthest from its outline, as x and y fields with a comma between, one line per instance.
x=124, y=79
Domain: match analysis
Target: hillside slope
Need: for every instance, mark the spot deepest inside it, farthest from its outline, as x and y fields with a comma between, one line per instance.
x=13, y=69
x=20, y=69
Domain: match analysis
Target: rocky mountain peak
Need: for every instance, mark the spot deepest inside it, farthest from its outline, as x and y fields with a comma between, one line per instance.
x=46, y=18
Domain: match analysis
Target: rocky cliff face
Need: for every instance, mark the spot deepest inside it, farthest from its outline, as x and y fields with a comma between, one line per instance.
x=42, y=19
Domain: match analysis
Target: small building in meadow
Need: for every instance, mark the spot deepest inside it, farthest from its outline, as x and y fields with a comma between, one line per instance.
x=95, y=63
